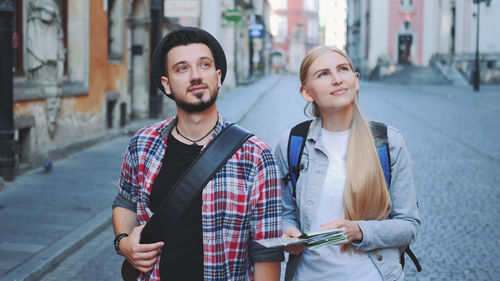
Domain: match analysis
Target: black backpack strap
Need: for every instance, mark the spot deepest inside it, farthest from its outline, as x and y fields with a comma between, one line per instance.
x=413, y=258
x=192, y=182
x=296, y=143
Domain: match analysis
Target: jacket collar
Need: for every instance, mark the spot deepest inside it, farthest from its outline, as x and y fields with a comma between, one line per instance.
x=315, y=129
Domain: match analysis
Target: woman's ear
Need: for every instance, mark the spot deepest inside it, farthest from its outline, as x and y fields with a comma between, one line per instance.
x=305, y=94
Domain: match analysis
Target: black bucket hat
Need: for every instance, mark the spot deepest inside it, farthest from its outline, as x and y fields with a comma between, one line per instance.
x=185, y=36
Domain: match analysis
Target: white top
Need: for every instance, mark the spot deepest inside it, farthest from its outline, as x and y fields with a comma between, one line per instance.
x=327, y=262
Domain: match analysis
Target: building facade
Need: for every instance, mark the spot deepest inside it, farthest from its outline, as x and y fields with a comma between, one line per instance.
x=456, y=36
x=294, y=26
x=70, y=75
x=385, y=33
x=82, y=68
x=241, y=27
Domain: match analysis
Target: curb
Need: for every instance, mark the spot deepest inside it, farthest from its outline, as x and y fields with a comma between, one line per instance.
x=48, y=259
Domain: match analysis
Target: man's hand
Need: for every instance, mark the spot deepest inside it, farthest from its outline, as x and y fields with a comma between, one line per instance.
x=141, y=256
x=293, y=249
x=352, y=230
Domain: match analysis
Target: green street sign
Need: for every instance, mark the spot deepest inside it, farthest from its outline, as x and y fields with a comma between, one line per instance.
x=232, y=15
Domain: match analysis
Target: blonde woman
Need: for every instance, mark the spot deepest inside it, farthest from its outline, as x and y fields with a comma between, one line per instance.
x=342, y=185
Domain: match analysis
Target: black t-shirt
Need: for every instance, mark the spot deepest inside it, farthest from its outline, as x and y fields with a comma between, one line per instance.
x=182, y=254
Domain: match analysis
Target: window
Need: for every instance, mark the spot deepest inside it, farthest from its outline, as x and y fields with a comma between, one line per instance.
x=278, y=4
x=278, y=26
x=51, y=43
x=78, y=49
x=311, y=5
x=40, y=29
x=406, y=6
x=312, y=31
x=115, y=30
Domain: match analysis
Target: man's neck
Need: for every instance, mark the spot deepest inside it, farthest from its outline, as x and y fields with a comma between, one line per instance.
x=195, y=125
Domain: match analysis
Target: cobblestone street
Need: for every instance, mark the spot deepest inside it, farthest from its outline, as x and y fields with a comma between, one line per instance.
x=452, y=135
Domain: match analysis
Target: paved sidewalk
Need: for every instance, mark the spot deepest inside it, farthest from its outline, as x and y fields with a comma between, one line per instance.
x=47, y=216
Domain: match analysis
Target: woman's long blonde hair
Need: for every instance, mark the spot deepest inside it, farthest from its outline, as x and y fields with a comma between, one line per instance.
x=365, y=192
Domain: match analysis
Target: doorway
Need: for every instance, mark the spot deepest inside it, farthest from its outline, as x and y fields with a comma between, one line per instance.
x=404, y=48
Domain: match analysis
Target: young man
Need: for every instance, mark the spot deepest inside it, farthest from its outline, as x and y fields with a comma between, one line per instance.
x=215, y=239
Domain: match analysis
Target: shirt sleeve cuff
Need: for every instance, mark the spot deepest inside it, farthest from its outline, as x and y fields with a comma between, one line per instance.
x=364, y=243
x=259, y=253
x=121, y=201
x=289, y=223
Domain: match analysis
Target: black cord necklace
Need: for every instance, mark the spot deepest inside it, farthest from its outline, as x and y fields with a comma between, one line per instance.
x=195, y=142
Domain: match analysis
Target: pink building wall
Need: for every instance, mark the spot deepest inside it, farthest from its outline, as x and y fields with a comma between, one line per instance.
x=396, y=23
x=295, y=14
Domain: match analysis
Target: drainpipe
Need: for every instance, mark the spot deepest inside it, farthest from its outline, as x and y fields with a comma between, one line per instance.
x=7, y=142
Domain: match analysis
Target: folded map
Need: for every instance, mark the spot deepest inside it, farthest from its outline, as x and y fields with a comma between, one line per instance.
x=312, y=240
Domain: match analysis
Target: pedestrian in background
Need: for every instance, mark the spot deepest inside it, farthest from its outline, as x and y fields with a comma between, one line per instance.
x=342, y=184
x=215, y=240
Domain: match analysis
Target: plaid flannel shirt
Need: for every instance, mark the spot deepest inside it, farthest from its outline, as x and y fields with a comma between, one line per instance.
x=240, y=204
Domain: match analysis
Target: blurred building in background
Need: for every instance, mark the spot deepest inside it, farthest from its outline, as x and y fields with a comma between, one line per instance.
x=294, y=25
x=455, y=31
x=244, y=33
x=82, y=68
x=383, y=34
x=333, y=23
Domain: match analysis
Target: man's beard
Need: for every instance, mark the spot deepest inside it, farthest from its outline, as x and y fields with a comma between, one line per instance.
x=199, y=106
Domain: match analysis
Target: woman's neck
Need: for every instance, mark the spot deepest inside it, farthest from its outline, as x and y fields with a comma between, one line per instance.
x=337, y=121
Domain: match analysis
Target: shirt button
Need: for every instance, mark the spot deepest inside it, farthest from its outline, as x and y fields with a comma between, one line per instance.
x=379, y=257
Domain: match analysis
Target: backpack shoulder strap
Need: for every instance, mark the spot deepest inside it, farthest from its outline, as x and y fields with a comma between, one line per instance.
x=379, y=133
x=413, y=258
x=296, y=143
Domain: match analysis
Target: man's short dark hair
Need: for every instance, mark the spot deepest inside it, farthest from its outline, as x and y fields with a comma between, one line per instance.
x=185, y=36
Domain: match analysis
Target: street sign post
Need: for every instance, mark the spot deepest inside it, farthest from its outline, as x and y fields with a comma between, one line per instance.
x=232, y=15
x=476, y=76
x=256, y=30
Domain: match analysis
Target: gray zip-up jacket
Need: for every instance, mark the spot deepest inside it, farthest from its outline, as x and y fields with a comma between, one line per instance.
x=382, y=240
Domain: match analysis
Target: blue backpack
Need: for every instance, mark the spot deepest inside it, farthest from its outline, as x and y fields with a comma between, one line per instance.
x=296, y=143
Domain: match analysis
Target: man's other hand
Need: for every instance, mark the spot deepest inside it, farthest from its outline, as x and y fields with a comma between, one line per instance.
x=141, y=256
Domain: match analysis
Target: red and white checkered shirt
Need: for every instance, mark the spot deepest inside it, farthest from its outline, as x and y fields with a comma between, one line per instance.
x=241, y=203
